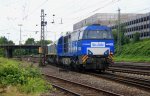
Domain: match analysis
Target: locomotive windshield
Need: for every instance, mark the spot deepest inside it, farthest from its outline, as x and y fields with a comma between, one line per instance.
x=97, y=35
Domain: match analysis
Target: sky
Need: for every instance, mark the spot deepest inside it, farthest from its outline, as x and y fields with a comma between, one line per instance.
x=27, y=13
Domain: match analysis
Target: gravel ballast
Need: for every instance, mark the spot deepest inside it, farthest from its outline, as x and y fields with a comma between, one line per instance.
x=95, y=81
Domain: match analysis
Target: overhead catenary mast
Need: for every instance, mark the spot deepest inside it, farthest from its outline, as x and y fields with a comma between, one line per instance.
x=43, y=50
x=119, y=33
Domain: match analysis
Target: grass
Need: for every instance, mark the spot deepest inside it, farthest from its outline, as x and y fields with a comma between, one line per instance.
x=13, y=91
x=23, y=79
x=135, y=52
x=132, y=59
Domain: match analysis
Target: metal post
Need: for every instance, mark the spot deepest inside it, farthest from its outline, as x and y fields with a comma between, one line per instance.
x=8, y=37
x=20, y=33
x=8, y=52
x=149, y=25
x=43, y=23
x=20, y=41
x=119, y=33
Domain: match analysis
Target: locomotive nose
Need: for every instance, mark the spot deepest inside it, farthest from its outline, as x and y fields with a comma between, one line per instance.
x=98, y=51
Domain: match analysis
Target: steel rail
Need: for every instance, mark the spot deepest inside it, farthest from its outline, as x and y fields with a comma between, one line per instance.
x=127, y=70
x=66, y=90
x=141, y=83
x=109, y=93
x=140, y=67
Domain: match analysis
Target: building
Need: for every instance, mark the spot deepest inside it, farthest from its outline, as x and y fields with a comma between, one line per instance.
x=132, y=22
x=140, y=24
x=103, y=19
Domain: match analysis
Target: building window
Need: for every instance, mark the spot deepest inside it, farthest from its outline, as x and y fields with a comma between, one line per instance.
x=148, y=33
x=145, y=27
x=145, y=19
x=134, y=21
x=133, y=28
x=142, y=35
x=136, y=28
x=148, y=17
x=142, y=27
x=132, y=36
x=141, y=19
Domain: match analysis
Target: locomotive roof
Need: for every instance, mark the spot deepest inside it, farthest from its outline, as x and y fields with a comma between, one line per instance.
x=96, y=27
x=90, y=27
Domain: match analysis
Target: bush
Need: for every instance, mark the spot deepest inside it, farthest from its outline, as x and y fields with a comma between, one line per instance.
x=35, y=85
x=27, y=78
x=139, y=51
x=136, y=37
x=126, y=40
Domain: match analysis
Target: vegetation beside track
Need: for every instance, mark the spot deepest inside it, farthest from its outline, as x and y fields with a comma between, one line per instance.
x=17, y=78
x=135, y=52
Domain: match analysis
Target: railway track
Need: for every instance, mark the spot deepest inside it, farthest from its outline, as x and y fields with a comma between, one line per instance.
x=66, y=90
x=140, y=67
x=127, y=70
x=143, y=70
x=78, y=89
x=140, y=83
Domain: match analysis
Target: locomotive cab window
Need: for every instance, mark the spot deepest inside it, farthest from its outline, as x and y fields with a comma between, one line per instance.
x=97, y=35
x=81, y=35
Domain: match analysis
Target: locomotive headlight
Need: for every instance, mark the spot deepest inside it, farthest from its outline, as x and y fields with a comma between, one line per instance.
x=106, y=52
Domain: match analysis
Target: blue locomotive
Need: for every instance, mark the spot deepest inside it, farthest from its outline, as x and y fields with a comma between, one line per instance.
x=90, y=47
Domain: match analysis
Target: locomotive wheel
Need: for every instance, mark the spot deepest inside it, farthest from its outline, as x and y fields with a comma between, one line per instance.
x=72, y=66
x=100, y=71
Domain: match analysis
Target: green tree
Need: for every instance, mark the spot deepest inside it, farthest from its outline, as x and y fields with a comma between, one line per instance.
x=3, y=40
x=19, y=52
x=114, y=32
x=46, y=42
x=124, y=39
x=136, y=37
x=11, y=42
x=30, y=41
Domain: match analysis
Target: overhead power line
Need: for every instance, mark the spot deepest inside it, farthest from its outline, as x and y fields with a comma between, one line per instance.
x=37, y=8
x=4, y=29
x=119, y=33
x=106, y=5
x=142, y=9
x=82, y=9
x=113, y=1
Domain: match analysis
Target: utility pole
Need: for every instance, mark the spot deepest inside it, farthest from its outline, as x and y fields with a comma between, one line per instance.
x=8, y=45
x=61, y=22
x=43, y=52
x=20, y=41
x=8, y=37
x=119, y=33
x=20, y=33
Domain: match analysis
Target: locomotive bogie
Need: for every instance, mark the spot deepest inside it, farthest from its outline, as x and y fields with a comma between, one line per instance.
x=66, y=61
